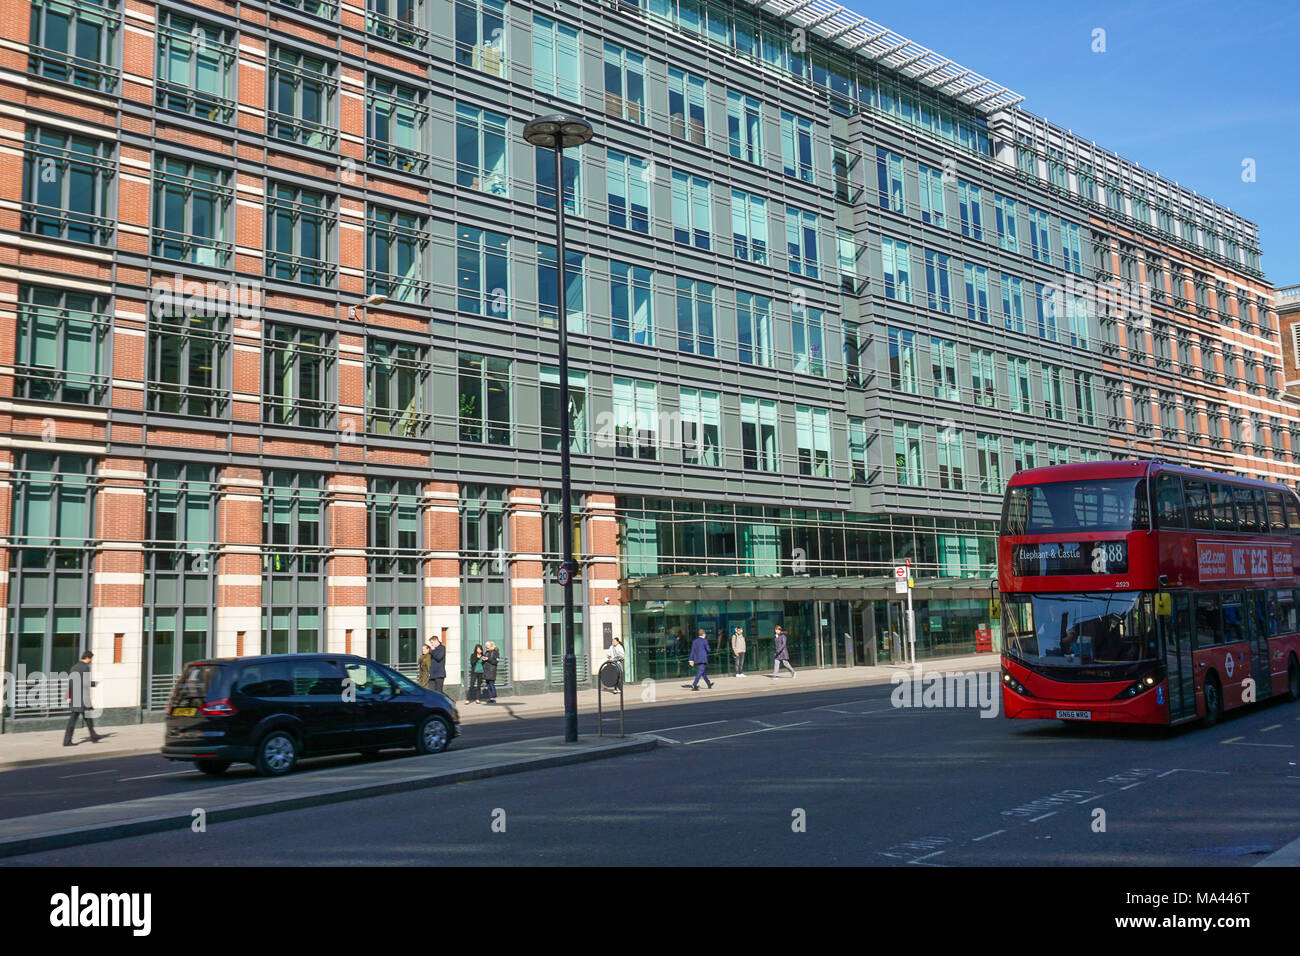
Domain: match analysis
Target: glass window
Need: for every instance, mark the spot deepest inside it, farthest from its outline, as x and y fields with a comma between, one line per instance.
x=1169, y=502
x=481, y=152
x=631, y=304
x=551, y=422
x=59, y=352
x=485, y=399
x=66, y=182
x=75, y=41
x=396, y=373
x=481, y=35
x=194, y=67
x=302, y=90
x=395, y=121
x=758, y=434
x=556, y=59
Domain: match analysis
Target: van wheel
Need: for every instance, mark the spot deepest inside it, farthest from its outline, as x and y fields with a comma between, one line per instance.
x=434, y=736
x=213, y=768
x=276, y=754
x=1213, y=701
x=1293, y=679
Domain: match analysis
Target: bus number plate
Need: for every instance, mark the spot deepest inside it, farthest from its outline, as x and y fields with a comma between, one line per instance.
x=1074, y=715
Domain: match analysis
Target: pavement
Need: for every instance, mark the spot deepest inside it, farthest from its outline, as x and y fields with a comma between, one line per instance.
x=39, y=748
x=185, y=808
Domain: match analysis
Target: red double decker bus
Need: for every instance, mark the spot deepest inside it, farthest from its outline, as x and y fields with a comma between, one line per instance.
x=1146, y=592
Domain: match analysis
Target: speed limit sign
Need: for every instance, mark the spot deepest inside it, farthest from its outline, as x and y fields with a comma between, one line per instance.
x=563, y=575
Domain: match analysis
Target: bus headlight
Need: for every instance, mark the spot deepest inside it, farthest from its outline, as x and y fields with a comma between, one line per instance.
x=1014, y=684
x=1145, y=682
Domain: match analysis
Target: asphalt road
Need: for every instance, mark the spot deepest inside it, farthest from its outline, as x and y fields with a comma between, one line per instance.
x=68, y=785
x=832, y=777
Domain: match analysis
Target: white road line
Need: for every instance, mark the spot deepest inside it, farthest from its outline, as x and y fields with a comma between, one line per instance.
x=1247, y=743
x=746, y=733
x=1043, y=817
x=987, y=835
x=667, y=740
x=926, y=857
x=90, y=773
x=1090, y=799
x=707, y=723
x=150, y=776
x=1132, y=785
x=1185, y=770
x=1267, y=729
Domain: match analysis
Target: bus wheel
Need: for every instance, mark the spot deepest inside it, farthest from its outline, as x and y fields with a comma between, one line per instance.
x=1293, y=680
x=1213, y=701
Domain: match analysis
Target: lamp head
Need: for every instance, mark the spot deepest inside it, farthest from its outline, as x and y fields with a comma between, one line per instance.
x=557, y=131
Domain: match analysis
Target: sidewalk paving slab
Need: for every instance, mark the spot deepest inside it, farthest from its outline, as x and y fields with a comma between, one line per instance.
x=38, y=748
x=300, y=790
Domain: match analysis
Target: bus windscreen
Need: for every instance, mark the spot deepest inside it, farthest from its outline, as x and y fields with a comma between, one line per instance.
x=1080, y=629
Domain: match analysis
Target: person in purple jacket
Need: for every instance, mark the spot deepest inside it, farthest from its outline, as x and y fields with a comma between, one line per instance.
x=700, y=660
x=782, y=653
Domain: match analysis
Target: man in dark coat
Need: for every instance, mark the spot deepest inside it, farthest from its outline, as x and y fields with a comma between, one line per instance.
x=491, y=656
x=79, y=684
x=437, y=664
x=700, y=660
x=782, y=653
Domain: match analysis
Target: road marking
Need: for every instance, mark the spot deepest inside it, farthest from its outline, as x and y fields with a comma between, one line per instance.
x=1132, y=785
x=746, y=733
x=1267, y=729
x=1092, y=798
x=926, y=857
x=707, y=723
x=1184, y=770
x=1044, y=816
x=987, y=835
x=90, y=773
x=150, y=776
x=1231, y=740
x=1247, y=743
x=667, y=740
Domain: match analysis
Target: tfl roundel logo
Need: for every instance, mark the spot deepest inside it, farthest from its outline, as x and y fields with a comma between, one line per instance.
x=1228, y=664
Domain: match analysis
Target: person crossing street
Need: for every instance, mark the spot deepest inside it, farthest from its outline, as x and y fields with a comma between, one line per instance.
x=700, y=660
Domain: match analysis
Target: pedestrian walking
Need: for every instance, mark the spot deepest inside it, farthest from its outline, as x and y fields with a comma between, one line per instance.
x=476, y=674
x=738, y=649
x=437, y=664
x=79, y=684
x=782, y=653
x=617, y=655
x=700, y=660
x=422, y=672
x=491, y=656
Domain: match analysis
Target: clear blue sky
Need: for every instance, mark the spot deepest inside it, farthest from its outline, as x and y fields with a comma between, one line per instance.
x=1187, y=89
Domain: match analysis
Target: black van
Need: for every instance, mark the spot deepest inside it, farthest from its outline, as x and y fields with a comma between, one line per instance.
x=271, y=710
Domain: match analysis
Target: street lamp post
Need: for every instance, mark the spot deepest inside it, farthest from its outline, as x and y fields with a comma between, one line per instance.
x=557, y=132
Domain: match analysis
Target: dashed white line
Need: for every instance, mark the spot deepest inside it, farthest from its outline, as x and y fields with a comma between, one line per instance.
x=1132, y=785
x=1044, y=816
x=90, y=773
x=926, y=857
x=987, y=835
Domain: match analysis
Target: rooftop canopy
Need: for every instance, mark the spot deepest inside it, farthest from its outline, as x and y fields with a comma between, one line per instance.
x=866, y=38
x=797, y=587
